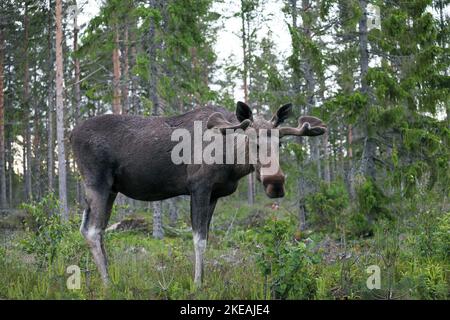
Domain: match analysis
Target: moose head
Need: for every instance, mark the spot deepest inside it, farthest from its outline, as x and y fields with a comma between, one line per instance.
x=267, y=134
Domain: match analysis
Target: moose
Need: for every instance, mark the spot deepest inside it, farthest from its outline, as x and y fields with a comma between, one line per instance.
x=132, y=155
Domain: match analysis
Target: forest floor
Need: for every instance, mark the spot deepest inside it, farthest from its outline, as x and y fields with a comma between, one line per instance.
x=253, y=253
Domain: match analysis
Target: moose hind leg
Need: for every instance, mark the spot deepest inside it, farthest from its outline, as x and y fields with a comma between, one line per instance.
x=95, y=220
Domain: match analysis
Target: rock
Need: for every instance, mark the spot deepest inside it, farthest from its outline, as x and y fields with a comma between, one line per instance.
x=130, y=224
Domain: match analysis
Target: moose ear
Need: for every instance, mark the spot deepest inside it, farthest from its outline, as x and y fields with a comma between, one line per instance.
x=281, y=115
x=216, y=120
x=243, y=111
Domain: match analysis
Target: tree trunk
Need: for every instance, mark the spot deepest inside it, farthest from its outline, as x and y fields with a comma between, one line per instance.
x=50, y=102
x=315, y=155
x=326, y=153
x=62, y=175
x=77, y=94
x=76, y=62
x=126, y=72
x=153, y=69
x=173, y=211
x=301, y=192
x=251, y=178
x=50, y=141
x=310, y=85
x=117, y=107
x=36, y=161
x=351, y=173
x=9, y=144
x=3, y=201
x=367, y=167
x=10, y=173
x=310, y=80
x=158, y=232
x=297, y=88
x=50, y=137
x=26, y=100
x=135, y=106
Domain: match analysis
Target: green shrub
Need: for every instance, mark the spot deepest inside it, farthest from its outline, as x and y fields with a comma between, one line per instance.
x=434, y=237
x=442, y=236
x=431, y=234
x=358, y=225
x=432, y=282
x=2, y=253
x=285, y=263
x=45, y=229
x=370, y=207
x=327, y=204
x=371, y=200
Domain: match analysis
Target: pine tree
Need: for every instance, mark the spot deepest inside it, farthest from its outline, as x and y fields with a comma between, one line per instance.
x=3, y=201
x=307, y=70
x=62, y=175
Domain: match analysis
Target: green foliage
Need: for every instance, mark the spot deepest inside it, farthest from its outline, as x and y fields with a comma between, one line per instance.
x=414, y=255
x=45, y=229
x=391, y=118
x=2, y=253
x=412, y=252
x=328, y=204
x=285, y=263
x=296, y=149
x=398, y=220
x=182, y=38
x=371, y=200
x=358, y=225
x=350, y=106
x=433, y=236
x=432, y=282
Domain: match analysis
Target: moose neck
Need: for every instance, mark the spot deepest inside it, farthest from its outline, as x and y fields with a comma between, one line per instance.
x=240, y=169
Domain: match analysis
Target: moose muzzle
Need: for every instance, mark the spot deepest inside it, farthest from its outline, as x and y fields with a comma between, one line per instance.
x=274, y=185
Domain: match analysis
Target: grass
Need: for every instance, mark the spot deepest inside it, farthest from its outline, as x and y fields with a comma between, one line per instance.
x=140, y=268
x=253, y=253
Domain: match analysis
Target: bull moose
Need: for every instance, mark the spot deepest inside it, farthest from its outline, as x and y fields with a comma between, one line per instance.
x=132, y=155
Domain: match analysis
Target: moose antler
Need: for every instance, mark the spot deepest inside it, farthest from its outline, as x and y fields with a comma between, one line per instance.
x=307, y=126
x=216, y=120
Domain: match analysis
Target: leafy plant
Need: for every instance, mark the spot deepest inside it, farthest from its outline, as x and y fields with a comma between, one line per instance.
x=285, y=263
x=327, y=204
x=45, y=229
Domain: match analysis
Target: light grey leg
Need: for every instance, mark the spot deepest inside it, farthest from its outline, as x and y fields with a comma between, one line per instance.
x=95, y=220
x=202, y=208
x=199, y=249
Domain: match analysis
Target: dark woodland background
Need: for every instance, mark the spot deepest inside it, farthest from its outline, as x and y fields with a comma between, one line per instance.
x=373, y=191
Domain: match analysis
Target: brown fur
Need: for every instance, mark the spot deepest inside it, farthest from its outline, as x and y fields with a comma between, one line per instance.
x=132, y=155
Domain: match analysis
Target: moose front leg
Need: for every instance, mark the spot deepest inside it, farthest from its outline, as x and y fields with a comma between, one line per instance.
x=202, y=208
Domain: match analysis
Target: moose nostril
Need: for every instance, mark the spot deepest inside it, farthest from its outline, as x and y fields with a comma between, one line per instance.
x=277, y=179
x=274, y=190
